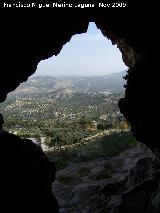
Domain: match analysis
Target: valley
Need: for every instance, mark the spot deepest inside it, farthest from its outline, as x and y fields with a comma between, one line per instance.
x=70, y=108
x=77, y=123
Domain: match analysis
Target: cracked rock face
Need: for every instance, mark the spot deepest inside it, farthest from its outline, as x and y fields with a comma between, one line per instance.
x=99, y=185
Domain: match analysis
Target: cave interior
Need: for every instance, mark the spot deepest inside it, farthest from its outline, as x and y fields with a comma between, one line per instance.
x=27, y=39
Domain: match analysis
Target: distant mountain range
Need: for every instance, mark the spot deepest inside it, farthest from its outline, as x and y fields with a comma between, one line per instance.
x=47, y=84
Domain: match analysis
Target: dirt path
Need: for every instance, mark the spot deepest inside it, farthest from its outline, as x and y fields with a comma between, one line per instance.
x=84, y=140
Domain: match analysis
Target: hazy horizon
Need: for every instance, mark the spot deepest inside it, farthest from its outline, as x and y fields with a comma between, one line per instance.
x=87, y=54
x=72, y=75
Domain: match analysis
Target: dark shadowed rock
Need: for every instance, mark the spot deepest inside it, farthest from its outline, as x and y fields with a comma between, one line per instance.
x=143, y=198
x=26, y=176
x=26, y=39
x=98, y=185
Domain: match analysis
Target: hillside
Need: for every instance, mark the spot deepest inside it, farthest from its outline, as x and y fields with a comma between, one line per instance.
x=69, y=84
x=75, y=107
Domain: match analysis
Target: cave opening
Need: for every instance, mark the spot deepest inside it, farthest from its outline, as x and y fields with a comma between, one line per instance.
x=131, y=39
x=88, y=67
x=25, y=169
x=70, y=108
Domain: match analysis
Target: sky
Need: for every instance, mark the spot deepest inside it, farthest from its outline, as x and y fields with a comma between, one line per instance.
x=87, y=54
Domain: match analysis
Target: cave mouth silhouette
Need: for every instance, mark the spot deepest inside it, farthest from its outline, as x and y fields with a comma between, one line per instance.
x=52, y=166
x=30, y=43
x=82, y=43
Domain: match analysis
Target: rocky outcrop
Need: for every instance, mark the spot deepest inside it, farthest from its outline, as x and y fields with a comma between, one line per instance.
x=99, y=185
